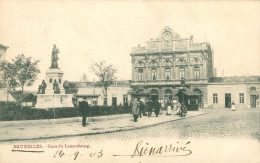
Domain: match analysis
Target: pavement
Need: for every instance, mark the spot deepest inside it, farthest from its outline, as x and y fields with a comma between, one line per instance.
x=69, y=127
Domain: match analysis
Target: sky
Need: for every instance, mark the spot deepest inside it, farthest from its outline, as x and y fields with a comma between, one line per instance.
x=86, y=31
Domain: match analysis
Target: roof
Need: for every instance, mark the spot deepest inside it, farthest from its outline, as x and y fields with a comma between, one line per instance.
x=27, y=96
x=82, y=84
x=235, y=79
x=3, y=47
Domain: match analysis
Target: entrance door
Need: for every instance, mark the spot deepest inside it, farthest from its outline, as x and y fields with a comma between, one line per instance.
x=154, y=95
x=227, y=100
x=253, y=101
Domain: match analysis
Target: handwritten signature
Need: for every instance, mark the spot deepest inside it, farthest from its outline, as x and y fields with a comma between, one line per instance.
x=170, y=150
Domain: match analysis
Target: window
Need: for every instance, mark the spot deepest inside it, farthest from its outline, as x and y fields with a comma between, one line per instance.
x=241, y=98
x=125, y=99
x=215, y=98
x=252, y=88
x=114, y=101
x=94, y=102
x=182, y=72
x=196, y=72
x=168, y=73
x=153, y=74
x=167, y=95
x=140, y=74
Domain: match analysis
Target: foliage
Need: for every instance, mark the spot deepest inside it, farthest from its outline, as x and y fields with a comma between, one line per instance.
x=105, y=73
x=7, y=72
x=26, y=70
x=15, y=113
x=70, y=87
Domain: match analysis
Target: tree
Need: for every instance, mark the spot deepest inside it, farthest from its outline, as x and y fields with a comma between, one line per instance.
x=26, y=71
x=106, y=74
x=7, y=82
x=70, y=87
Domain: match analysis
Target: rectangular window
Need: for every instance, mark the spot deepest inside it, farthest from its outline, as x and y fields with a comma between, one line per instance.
x=140, y=74
x=153, y=74
x=215, y=98
x=114, y=101
x=241, y=98
x=125, y=99
x=168, y=73
x=182, y=72
x=196, y=72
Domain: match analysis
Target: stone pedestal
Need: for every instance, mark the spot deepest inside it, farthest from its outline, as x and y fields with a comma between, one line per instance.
x=51, y=99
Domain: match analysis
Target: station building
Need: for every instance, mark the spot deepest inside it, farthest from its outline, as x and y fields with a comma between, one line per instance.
x=159, y=67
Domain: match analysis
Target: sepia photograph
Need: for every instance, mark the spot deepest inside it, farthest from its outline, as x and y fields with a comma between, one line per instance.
x=129, y=81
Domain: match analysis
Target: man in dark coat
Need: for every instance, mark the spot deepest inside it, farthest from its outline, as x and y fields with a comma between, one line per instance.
x=149, y=107
x=157, y=107
x=141, y=104
x=84, y=108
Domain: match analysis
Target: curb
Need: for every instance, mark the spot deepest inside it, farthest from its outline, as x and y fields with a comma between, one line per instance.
x=103, y=132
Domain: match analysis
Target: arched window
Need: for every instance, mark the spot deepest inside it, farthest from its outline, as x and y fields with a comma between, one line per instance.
x=167, y=95
x=154, y=92
x=154, y=95
x=252, y=88
x=196, y=72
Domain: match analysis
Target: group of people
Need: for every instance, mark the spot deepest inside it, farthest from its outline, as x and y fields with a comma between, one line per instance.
x=139, y=108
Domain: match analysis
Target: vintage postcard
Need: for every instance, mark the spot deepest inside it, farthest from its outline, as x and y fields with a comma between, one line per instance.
x=129, y=81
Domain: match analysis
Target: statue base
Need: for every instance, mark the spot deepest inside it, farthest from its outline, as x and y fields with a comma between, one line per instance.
x=51, y=99
x=46, y=101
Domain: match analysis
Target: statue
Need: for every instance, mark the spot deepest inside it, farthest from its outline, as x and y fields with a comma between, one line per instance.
x=42, y=87
x=54, y=57
x=56, y=87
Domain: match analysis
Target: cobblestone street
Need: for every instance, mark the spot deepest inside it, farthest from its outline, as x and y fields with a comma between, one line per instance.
x=242, y=123
x=217, y=123
x=221, y=135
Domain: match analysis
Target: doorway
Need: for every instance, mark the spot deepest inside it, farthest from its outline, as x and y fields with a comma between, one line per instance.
x=154, y=95
x=253, y=101
x=227, y=100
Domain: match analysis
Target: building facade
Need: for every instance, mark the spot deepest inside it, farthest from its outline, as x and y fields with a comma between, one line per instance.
x=243, y=91
x=159, y=67
x=117, y=94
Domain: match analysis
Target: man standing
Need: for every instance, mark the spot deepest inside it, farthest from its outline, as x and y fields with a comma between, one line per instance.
x=84, y=108
x=150, y=107
x=135, y=109
x=157, y=107
x=141, y=107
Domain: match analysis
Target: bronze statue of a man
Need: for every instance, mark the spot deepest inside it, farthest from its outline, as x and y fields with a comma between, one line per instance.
x=54, y=57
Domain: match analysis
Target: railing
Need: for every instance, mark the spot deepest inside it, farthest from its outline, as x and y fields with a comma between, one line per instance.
x=175, y=47
x=168, y=82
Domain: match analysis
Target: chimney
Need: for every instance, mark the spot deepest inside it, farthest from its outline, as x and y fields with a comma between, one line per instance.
x=215, y=72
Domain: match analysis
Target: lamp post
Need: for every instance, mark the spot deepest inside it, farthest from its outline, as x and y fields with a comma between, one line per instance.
x=183, y=107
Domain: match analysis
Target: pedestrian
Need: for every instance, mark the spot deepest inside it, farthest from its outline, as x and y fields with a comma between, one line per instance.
x=149, y=107
x=141, y=110
x=135, y=109
x=157, y=107
x=178, y=108
x=169, y=108
x=84, y=108
x=233, y=106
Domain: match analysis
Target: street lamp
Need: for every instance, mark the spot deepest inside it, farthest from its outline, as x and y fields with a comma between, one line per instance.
x=183, y=108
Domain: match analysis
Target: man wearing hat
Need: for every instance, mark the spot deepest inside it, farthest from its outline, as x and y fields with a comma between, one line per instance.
x=150, y=107
x=84, y=108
